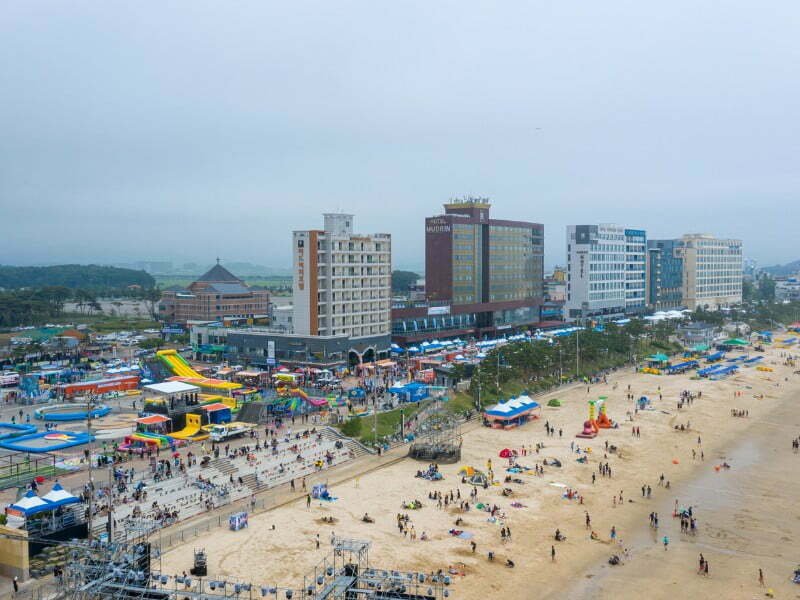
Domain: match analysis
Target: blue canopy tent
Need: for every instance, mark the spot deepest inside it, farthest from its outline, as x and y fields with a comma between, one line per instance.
x=510, y=414
x=410, y=392
x=58, y=496
x=715, y=357
x=30, y=504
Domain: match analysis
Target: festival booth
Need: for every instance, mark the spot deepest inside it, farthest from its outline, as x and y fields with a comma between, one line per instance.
x=511, y=414
x=655, y=364
x=99, y=386
x=217, y=413
x=153, y=424
x=252, y=378
x=410, y=392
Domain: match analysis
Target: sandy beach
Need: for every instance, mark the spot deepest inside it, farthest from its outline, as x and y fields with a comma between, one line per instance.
x=747, y=516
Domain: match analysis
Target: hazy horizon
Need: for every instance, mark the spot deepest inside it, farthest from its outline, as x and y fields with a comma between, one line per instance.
x=188, y=131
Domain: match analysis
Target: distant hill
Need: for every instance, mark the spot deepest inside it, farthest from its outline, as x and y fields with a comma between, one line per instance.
x=87, y=277
x=783, y=270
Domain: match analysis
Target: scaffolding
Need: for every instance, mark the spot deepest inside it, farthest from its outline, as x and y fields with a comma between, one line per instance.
x=124, y=571
x=438, y=439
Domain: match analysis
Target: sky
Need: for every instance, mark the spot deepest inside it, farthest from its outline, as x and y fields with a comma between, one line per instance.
x=187, y=130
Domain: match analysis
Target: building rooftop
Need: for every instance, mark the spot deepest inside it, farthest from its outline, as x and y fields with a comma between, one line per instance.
x=228, y=288
x=219, y=274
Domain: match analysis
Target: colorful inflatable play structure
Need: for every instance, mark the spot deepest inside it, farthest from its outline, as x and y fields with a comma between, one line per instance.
x=594, y=424
x=192, y=431
x=69, y=412
x=140, y=442
x=292, y=399
x=184, y=372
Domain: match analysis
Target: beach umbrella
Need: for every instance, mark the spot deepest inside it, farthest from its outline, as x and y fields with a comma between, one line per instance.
x=505, y=453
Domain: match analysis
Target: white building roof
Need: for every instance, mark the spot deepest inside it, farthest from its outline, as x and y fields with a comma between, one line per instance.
x=171, y=387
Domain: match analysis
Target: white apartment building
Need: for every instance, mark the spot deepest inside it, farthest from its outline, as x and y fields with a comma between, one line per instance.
x=712, y=271
x=342, y=285
x=596, y=272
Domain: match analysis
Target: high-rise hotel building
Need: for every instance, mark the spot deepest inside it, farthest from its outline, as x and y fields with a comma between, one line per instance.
x=342, y=285
x=606, y=271
x=482, y=275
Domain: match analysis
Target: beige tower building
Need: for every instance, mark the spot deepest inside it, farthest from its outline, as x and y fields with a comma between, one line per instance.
x=712, y=271
x=342, y=285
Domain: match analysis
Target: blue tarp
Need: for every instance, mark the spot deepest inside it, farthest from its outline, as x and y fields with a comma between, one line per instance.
x=753, y=360
x=724, y=371
x=715, y=356
x=738, y=359
x=689, y=364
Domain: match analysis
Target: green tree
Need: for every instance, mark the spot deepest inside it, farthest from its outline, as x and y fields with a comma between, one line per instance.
x=766, y=288
x=153, y=343
x=402, y=280
x=151, y=297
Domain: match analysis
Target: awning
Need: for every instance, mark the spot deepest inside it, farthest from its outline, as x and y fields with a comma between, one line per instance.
x=214, y=406
x=734, y=342
x=153, y=420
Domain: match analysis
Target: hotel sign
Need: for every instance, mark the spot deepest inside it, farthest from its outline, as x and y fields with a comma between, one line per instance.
x=301, y=264
x=437, y=225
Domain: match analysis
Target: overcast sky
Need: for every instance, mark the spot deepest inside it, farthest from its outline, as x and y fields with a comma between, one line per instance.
x=185, y=130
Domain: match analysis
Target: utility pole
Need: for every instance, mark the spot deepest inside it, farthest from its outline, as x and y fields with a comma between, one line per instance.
x=89, y=403
x=577, y=354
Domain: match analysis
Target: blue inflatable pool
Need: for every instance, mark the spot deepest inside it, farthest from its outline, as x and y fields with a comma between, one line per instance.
x=12, y=430
x=46, y=441
x=70, y=412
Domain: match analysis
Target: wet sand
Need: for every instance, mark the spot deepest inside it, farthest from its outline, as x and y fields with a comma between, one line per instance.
x=747, y=516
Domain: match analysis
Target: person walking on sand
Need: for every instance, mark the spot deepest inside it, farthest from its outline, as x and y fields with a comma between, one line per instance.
x=308, y=500
x=666, y=543
x=552, y=554
x=760, y=577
